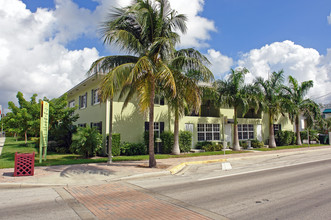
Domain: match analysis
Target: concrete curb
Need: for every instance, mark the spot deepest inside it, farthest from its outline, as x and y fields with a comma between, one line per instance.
x=155, y=174
x=28, y=185
x=180, y=166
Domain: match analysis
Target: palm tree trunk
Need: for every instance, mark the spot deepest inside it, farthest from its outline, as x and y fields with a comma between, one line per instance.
x=26, y=137
x=176, y=149
x=110, y=137
x=152, y=161
x=298, y=130
x=236, y=145
x=272, y=142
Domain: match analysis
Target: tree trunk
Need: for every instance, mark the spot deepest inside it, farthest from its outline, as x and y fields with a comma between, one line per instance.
x=110, y=137
x=272, y=142
x=152, y=161
x=176, y=149
x=236, y=145
x=297, y=126
x=26, y=137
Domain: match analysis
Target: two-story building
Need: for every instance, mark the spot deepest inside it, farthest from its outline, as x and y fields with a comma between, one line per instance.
x=211, y=124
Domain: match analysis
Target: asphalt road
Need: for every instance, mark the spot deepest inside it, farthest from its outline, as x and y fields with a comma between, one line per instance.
x=294, y=192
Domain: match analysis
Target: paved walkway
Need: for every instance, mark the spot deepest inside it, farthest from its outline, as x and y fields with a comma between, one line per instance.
x=98, y=189
x=121, y=201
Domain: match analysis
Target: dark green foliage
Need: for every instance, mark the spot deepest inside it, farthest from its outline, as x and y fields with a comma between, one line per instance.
x=313, y=135
x=185, y=141
x=130, y=149
x=167, y=138
x=86, y=142
x=116, y=144
x=243, y=144
x=200, y=144
x=284, y=138
x=61, y=119
x=212, y=146
x=257, y=144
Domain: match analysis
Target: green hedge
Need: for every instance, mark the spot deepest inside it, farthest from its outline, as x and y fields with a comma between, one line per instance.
x=185, y=141
x=130, y=149
x=284, y=138
x=167, y=138
x=257, y=144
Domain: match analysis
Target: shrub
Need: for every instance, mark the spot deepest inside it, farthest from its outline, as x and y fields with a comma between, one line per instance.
x=212, y=146
x=167, y=138
x=313, y=135
x=257, y=144
x=116, y=144
x=130, y=149
x=243, y=144
x=86, y=142
x=201, y=144
x=284, y=138
x=185, y=141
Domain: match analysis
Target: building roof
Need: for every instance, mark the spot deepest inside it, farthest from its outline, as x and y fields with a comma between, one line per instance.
x=328, y=110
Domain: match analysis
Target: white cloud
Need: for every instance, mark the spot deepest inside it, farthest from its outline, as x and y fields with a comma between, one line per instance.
x=221, y=64
x=329, y=18
x=302, y=63
x=32, y=57
x=199, y=28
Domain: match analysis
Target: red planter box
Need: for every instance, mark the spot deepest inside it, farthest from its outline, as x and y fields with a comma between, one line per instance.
x=24, y=164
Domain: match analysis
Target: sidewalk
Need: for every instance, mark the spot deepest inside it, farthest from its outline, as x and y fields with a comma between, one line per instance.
x=100, y=173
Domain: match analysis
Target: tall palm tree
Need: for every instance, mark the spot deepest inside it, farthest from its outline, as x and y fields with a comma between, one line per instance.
x=233, y=92
x=145, y=29
x=189, y=68
x=295, y=102
x=271, y=90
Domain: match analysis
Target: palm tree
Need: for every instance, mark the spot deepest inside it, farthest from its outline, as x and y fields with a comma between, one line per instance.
x=295, y=102
x=189, y=67
x=271, y=90
x=145, y=29
x=233, y=92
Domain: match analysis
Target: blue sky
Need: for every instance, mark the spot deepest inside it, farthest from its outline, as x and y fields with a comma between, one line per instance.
x=47, y=45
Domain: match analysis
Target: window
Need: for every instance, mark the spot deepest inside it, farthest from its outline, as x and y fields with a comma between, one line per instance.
x=245, y=131
x=159, y=100
x=82, y=125
x=277, y=127
x=97, y=125
x=83, y=101
x=95, y=99
x=158, y=128
x=71, y=104
x=208, y=132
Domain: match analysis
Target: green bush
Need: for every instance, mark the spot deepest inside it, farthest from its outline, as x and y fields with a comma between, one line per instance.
x=313, y=135
x=212, y=146
x=86, y=142
x=201, y=144
x=167, y=138
x=284, y=138
x=257, y=144
x=243, y=144
x=116, y=144
x=130, y=149
x=185, y=141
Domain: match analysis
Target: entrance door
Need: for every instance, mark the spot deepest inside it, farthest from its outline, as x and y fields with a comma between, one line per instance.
x=189, y=127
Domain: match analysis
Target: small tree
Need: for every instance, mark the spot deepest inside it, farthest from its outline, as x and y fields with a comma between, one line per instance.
x=86, y=142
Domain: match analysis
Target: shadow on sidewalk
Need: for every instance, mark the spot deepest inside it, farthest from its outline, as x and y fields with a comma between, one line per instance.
x=78, y=170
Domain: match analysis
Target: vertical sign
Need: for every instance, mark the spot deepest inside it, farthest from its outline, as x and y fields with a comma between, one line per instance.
x=0, y=111
x=43, y=130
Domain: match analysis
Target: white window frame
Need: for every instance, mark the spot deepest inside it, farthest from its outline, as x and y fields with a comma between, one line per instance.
x=83, y=101
x=245, y=131
x=71, y=104
x=208, y=132
x=95, y=97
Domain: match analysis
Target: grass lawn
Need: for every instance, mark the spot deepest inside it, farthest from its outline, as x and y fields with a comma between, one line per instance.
x=7, y=158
